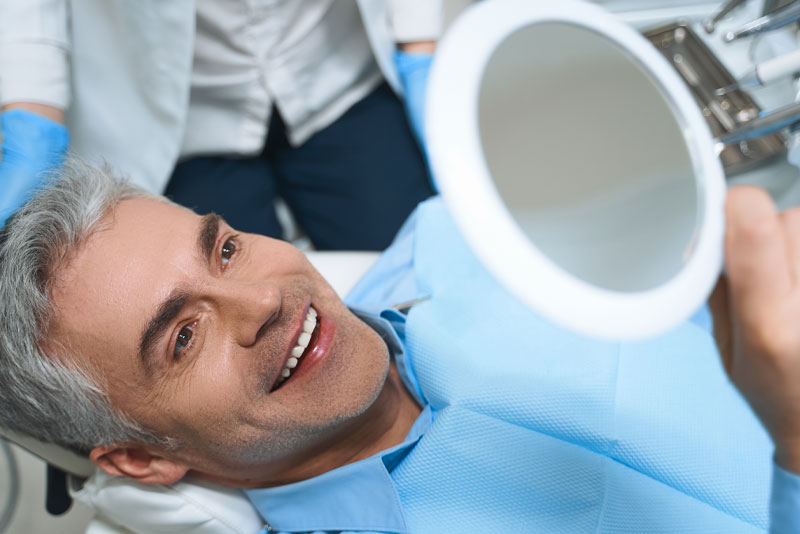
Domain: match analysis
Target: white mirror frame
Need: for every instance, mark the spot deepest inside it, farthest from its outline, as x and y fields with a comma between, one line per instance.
x=456, y=156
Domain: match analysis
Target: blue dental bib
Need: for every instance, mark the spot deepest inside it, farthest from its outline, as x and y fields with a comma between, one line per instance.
x=540, y=430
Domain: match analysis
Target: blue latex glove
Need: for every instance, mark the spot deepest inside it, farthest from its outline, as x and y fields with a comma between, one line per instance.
x=32, y=146
x=413, y=69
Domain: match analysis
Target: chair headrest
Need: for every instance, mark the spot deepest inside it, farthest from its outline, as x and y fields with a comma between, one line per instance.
x=56, y=455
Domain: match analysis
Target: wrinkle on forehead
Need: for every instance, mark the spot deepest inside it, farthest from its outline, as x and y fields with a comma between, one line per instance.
x=90, y=284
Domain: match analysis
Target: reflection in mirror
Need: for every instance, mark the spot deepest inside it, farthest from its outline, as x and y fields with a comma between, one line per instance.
x=586, y=153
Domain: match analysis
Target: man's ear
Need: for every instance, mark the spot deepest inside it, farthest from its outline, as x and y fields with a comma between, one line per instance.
x=137, y=463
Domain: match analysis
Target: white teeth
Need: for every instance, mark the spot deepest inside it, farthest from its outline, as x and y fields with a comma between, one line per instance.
x=309, y=324
x=303, y=340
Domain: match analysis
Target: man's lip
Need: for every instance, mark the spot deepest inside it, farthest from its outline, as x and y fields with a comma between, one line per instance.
x=292, y=343
x=318, y=347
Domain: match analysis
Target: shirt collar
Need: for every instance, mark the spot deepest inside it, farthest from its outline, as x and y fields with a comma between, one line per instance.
x=390, y=324
x=357, y=496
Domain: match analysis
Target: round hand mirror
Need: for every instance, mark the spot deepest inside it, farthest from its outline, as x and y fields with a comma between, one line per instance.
x=577, y=166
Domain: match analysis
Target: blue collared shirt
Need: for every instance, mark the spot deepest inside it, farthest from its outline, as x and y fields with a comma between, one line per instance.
x=358, y=497
x=361, y=497
x=784, y=506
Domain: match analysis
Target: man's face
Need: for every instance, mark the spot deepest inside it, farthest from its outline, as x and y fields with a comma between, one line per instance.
x=189, y=326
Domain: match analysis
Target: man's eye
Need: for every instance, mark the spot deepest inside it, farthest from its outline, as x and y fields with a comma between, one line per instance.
x=228, y=250
x=183, y=339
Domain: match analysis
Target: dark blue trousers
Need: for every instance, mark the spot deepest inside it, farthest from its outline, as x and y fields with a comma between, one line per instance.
x=350, y=186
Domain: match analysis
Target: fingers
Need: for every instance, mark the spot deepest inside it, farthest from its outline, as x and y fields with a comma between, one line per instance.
x=790, y=220
x=757, y=256
x=762, y=253
x=723, y=331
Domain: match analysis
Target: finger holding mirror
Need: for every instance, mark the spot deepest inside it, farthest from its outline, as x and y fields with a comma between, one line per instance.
x=761, y=349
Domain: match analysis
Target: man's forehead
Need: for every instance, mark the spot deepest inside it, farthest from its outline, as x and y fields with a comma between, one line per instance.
x=137, y=232
x=123, y=268
x=150, y=212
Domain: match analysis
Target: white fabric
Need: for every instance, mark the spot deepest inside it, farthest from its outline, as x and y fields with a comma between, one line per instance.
x=122, y=70
x=42, y=39
x=408, y=26
x=311, y=59
x=200, y=507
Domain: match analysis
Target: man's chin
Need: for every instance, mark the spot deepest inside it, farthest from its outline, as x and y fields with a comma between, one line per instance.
x=341, y=400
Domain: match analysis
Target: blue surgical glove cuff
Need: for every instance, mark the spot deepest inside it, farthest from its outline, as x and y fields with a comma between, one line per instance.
x=32, y=146
x=413, y=69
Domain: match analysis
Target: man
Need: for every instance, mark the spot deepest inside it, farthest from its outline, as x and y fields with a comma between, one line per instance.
x=161, y=343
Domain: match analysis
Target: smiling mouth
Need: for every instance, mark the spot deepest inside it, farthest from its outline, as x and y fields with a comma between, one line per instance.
x=305, y=341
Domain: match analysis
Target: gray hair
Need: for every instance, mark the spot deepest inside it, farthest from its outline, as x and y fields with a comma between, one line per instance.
x=47, y=396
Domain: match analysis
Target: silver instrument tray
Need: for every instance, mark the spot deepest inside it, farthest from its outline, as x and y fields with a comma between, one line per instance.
x=704, y=74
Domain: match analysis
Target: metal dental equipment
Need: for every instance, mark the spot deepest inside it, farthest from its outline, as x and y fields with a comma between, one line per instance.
x=766, y=72
x=772, y=21
x=729, y=6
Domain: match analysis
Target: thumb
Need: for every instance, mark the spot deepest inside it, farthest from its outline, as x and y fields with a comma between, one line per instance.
x=756, y=253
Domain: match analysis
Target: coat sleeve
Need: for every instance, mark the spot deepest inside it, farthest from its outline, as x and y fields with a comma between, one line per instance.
x=34, y=52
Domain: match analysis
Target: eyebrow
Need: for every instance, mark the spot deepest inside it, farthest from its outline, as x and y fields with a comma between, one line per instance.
x=166, y=313
x=207, y=236
x=169, y=309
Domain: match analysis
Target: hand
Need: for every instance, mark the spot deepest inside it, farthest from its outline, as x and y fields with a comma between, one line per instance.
x=32, y=145
x=413, y=64
x=760, y=344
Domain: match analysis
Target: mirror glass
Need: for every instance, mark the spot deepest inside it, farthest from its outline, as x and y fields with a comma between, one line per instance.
x=588, y=156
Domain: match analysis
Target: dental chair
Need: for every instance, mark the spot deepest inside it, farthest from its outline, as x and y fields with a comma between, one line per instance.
x=122, y=506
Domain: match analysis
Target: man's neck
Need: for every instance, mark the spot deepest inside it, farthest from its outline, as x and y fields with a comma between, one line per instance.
x=383, y=425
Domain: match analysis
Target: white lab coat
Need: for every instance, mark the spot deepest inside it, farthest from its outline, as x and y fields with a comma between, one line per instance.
x=121, y=69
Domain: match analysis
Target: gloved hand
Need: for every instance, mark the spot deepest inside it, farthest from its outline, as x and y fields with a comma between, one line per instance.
x=413, y=68
x=32, y=146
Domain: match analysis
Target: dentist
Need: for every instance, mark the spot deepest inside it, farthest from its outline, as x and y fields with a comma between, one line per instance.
x=226, y=106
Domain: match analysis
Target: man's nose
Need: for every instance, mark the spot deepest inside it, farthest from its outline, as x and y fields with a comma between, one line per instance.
x=249, y=307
